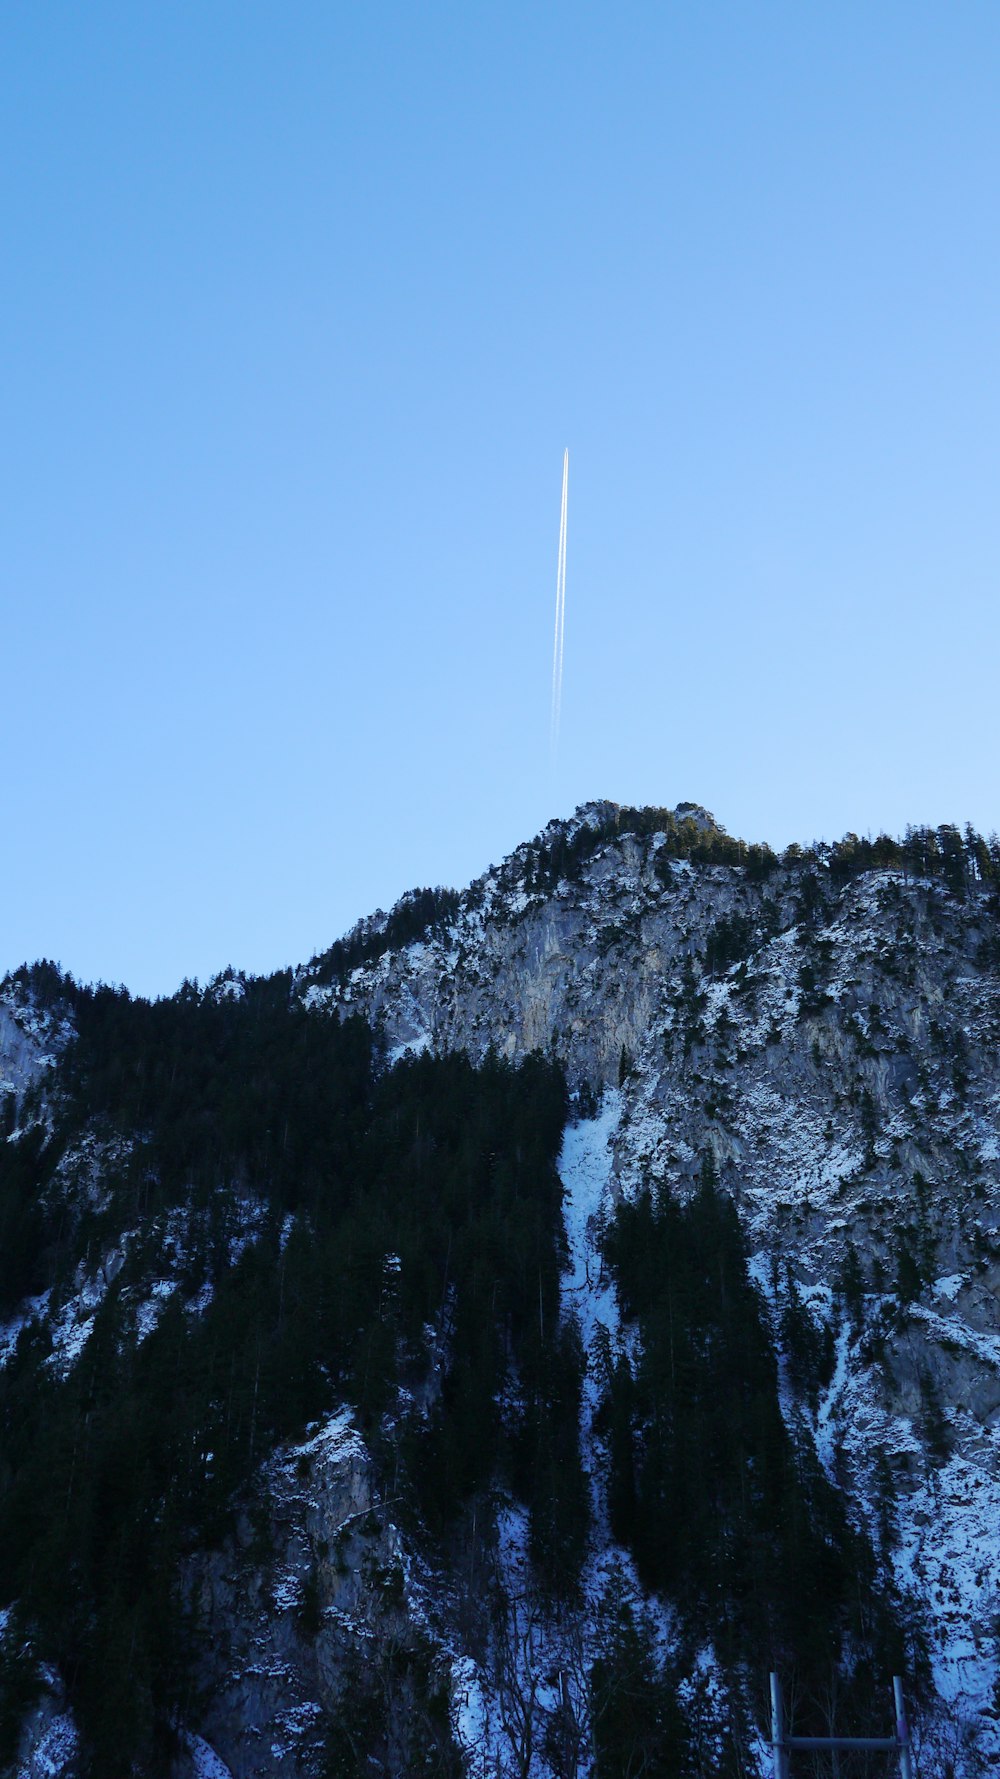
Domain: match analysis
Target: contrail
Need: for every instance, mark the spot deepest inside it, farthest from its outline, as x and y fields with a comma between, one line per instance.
x=557, y=647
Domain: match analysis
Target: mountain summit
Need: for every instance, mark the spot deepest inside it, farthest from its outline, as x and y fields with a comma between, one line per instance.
x=494, y=1345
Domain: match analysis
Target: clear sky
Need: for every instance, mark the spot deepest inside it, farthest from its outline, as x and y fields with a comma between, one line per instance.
x=301, y=305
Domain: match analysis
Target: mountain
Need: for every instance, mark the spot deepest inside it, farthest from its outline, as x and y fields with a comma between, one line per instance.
x=494, y=1345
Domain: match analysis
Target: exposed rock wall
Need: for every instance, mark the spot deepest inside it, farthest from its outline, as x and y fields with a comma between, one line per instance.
x=314, y=1587
x=838, y=1055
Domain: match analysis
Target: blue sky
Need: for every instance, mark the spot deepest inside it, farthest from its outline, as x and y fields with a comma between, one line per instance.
x=301, y=305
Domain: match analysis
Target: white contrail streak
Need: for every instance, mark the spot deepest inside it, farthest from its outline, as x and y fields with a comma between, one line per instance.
x=557, y=647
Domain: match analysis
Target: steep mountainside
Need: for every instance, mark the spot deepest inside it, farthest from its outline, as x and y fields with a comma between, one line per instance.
x=830, y=1035
x=438, y=1479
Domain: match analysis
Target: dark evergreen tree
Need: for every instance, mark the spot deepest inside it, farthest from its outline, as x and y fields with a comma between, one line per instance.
x=638, y=1725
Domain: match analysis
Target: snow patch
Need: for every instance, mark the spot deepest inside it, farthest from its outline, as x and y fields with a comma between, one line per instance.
x=52, y=1756
x=950, y=1286
x=205, y=1763
x=337, y=1439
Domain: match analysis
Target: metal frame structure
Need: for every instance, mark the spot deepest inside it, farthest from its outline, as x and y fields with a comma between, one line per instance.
x=783, y=1745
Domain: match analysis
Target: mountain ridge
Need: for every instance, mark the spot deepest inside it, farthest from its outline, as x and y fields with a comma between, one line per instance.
x=819, y=1030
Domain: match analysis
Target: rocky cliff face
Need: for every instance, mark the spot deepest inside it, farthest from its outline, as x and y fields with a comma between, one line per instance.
x=834, y=1045
x=315, y=1586
x=579, y=970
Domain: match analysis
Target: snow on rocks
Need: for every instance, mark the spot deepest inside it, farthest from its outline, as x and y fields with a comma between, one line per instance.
x=332, y=1442
x=53, y=1755
x=73, y=1324
x=953, y=1330
x=205, y=1763
x=31, y=1041
x=32, y=1310
x=948, y=1555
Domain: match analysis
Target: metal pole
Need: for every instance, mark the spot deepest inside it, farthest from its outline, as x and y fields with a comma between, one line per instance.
x=778, y=1730
x=902, y=1730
